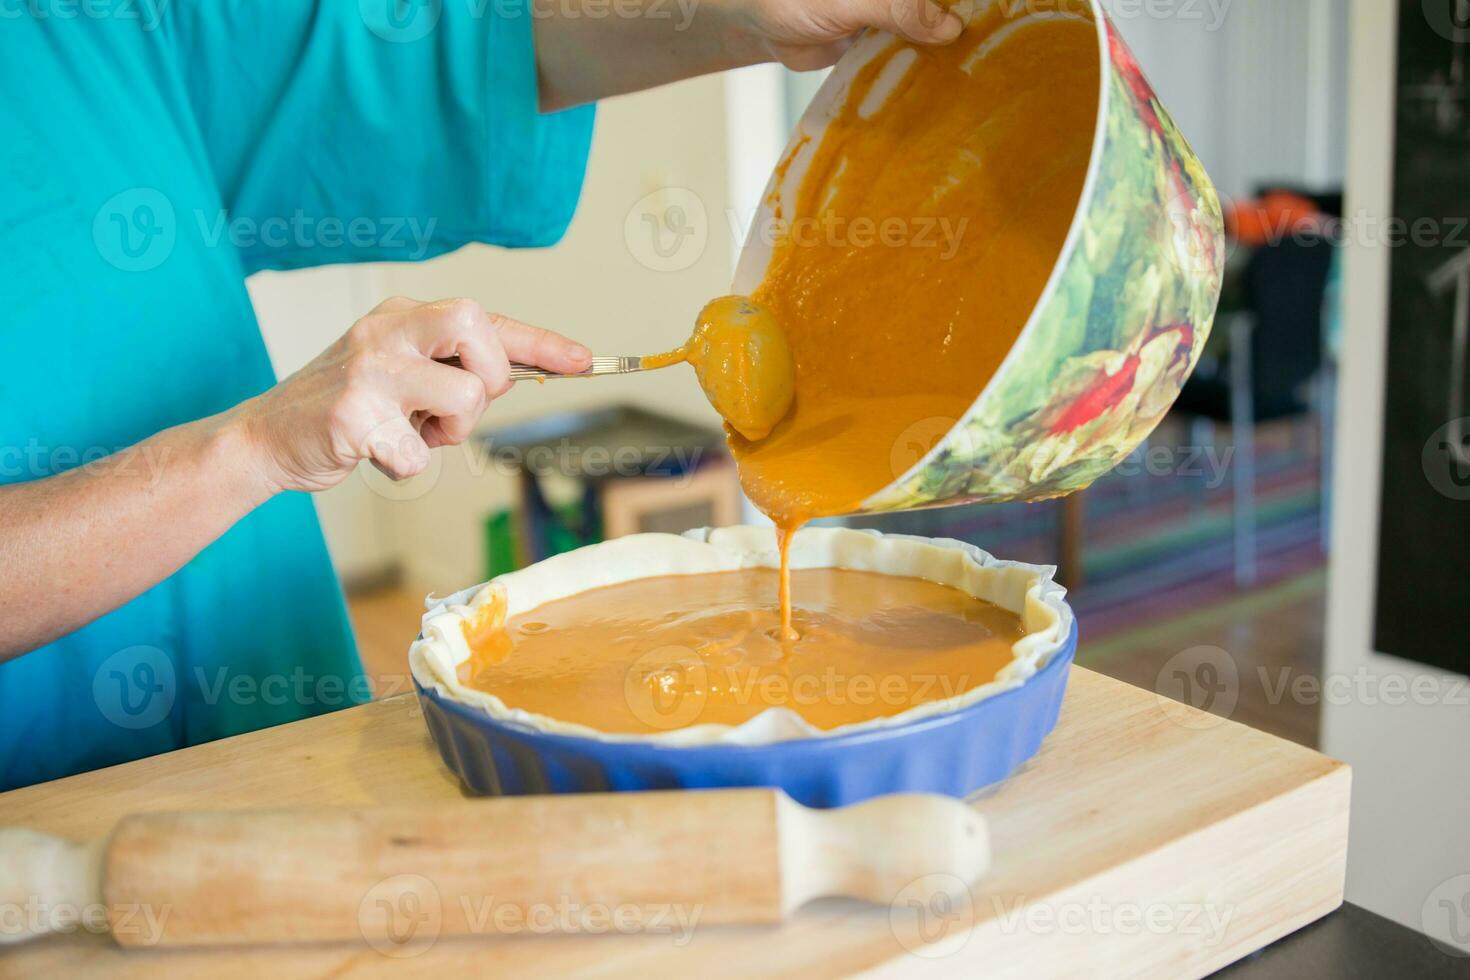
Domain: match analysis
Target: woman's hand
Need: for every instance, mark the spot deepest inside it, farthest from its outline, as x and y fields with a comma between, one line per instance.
x=583, y=56
x=813, y=34
x=378, y=393
x=99, y=535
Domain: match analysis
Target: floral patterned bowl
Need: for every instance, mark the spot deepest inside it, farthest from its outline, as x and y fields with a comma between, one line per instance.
x=1117, y=329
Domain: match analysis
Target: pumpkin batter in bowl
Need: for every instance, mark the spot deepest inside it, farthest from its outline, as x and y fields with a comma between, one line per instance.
x=740, y=355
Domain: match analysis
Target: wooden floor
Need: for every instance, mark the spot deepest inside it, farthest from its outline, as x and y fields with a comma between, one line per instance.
x=386, y=623
x=1273, y=636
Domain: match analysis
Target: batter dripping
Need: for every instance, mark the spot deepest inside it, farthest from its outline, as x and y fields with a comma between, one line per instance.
x=878, y=338
x=923, y=232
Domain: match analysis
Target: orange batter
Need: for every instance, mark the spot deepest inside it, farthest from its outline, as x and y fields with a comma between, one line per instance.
x=919, y=239
x=922, y=234
x=740, y=355
x=661, y=653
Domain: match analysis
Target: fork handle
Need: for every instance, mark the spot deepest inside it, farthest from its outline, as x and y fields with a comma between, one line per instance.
x=529, y=372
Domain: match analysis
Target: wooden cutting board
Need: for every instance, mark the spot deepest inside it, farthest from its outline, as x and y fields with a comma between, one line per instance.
x=1146, y=839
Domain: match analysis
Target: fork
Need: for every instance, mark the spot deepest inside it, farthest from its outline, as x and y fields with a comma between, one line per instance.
x=600, y=365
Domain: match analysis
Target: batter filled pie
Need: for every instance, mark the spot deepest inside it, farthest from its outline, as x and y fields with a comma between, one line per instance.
x=670, y=651
x=675, y=638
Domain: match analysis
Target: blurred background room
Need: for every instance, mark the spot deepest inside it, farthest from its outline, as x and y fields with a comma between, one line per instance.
x=1234, y=561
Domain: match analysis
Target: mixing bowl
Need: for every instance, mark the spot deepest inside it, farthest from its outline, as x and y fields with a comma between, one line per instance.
x=1118, y=327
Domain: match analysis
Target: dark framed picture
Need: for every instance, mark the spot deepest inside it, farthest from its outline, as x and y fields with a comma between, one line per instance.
x=1423, y=595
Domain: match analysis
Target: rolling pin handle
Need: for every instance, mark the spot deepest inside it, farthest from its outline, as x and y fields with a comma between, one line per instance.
x=911, y=845
x=43, y=878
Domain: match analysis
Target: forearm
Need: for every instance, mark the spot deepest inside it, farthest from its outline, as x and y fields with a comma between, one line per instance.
x=78, y=545
x=589, y=49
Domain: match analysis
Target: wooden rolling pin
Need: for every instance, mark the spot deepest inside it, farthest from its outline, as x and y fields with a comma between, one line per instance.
x=598, y=862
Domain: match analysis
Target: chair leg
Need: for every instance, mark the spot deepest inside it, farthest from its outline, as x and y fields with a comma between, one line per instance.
x=1202, y=439
x=1070, y=516
x=1326, y=407
x=1140, y=483
x=1242, y=423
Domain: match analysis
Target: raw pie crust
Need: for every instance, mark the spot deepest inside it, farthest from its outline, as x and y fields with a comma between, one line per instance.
x=1027, y=590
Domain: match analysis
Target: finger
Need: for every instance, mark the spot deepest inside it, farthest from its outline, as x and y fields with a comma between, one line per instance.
x=435, y=435
x=442, y=328
x=483, y=356
x=813, y=57
x=540, y=347
x=397, y=449
x=921, y=21
x=432, y=430
x=456, y=327
x=450, y=400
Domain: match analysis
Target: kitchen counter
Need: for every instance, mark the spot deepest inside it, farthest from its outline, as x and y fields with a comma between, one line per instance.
x=1350, y=944
x=1145, y=839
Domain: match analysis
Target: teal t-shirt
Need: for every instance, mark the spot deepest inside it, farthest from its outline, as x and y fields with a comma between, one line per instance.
x=153, y=155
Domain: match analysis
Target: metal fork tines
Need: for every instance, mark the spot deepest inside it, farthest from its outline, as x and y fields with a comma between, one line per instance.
x=600, y=365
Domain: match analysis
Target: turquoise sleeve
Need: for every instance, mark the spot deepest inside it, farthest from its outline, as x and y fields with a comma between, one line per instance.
x=364, y=130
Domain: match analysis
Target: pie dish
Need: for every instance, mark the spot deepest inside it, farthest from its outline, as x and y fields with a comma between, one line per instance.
x=954, y=745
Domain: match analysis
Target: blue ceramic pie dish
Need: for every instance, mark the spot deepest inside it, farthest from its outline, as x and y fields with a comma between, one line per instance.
x=954, y=754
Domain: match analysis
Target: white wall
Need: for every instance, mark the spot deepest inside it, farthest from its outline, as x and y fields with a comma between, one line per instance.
x=1257, y=86
x=1410, y=826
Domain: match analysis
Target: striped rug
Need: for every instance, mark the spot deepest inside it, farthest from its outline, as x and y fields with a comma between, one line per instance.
x=1154, y=546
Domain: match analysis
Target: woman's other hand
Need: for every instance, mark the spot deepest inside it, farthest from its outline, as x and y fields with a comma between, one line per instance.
x=379, y=394
x=581, y=57
x=813, y=34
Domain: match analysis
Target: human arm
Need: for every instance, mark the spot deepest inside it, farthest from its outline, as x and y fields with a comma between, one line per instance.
x=93, y=538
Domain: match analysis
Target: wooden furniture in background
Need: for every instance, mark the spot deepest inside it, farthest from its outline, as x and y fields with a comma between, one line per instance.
x=1070, y=529
x=596, y=452
x=707, y=497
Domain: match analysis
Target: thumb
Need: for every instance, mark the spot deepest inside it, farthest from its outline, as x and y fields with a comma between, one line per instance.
x=396, y=448
x=922, y=21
